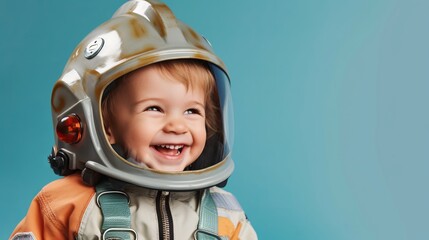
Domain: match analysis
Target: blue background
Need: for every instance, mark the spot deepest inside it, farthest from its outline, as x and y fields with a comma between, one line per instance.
x=331, y=108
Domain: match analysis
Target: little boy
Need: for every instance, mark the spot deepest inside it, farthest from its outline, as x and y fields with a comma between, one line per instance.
x=143, y=136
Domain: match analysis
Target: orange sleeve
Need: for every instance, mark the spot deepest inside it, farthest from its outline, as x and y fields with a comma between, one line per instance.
x=56, y=212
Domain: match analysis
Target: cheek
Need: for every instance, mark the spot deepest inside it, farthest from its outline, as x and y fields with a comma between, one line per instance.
x=202, y=132
x=136, y=132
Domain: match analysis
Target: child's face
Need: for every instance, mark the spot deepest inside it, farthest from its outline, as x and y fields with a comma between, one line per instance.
x=158, y=121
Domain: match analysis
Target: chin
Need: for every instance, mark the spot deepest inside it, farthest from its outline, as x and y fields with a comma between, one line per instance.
x=165, y=167
x=170, y=168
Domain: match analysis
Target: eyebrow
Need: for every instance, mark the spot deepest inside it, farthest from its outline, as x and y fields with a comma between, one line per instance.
x=198, y=103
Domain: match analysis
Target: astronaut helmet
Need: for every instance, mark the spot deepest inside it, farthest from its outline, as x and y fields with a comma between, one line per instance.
x=141, y=35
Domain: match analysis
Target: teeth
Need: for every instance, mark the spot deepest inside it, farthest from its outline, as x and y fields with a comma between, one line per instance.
x=171, y=146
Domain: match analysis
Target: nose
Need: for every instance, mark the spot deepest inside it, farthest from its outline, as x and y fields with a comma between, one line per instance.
x=175, y=125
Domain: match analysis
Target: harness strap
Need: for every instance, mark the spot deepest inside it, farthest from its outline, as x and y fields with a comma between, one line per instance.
x=116, y=223
x=114, y=206
x=207, y=225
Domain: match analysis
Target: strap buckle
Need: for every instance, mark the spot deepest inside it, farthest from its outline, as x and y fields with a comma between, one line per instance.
x=111, y=192
x=205, y=232
x=129, y=230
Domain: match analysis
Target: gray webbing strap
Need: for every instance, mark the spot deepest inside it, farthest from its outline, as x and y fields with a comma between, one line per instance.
x=114, y=205
x=207, y=225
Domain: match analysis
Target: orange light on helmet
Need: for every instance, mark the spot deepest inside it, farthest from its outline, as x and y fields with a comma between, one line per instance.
x=69, y=129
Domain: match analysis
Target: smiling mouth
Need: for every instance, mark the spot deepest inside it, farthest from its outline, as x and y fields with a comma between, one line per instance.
x=169, y=149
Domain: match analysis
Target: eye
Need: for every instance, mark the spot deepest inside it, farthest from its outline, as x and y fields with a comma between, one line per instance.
x=153, y=109
x=193, y=111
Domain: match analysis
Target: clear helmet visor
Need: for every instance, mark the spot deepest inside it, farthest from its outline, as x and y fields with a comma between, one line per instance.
x=184, y=152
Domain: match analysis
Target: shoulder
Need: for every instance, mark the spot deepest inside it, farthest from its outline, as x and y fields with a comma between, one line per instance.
x=65, y=192
x=65, y=200
x=232, y=221
x=227, y=206
x=68, y=187
x=57, y=210
x=73, y=180
x=225, y=200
